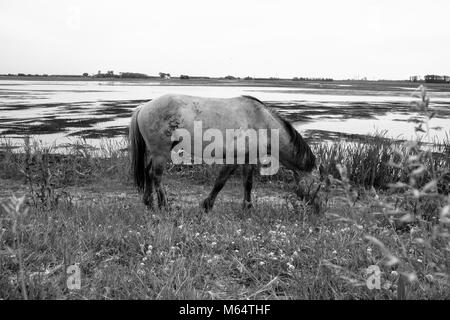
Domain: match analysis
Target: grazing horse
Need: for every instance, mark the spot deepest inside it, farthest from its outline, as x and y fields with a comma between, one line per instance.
x=152, y=139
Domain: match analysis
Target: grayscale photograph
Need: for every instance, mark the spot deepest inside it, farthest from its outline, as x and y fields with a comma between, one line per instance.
x=231, y=155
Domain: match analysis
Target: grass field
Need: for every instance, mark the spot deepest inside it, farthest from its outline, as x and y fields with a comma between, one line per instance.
x=381, y=203
x=83, y=210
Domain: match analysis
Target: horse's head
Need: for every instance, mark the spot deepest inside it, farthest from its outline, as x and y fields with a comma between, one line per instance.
x=302, y=158
x=306, y=158
x=298, y=155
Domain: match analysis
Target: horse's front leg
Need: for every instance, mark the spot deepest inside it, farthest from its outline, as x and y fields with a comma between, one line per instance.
x=224, y=174
x=247, y=176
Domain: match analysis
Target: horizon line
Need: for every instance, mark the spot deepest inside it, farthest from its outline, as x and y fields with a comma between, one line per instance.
x=162, y=76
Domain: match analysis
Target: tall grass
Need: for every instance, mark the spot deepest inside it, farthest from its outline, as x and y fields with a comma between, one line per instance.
x=423, y=210
x=377, y=161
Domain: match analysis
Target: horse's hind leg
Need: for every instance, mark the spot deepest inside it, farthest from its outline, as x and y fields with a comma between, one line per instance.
x=148, y=190
x=224, y=174
x=158, y=165
x=247, y=176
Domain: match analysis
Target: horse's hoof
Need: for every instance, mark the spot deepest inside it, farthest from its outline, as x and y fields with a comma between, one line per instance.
x=148, y=205
x=148, y=202
x=206, y=205
x=247, y=205
x=164, y=208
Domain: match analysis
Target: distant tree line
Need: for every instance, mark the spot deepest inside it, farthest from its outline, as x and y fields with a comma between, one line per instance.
x=28, y=75
x=163, y=75
x=123, y=75
x=311, y=79
x=108, y=74
x=133, y=75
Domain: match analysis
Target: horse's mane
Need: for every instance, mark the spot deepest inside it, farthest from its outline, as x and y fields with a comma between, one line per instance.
x=296, y=139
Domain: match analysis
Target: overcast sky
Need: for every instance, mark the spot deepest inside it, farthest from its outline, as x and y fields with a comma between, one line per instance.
x=341, y=39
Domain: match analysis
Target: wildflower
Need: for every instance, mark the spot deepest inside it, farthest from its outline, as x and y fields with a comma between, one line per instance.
x=213, y=243
x=290, y=266
x=261, y=263
x=334, y=252
x=387, y=285
x=140, y=272
x=394, y=273
x=197, y=234
x=180, y=226
x=419, y=260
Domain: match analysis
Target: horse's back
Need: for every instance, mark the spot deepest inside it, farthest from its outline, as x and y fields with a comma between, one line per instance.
x=159, y=118
x=218, y=113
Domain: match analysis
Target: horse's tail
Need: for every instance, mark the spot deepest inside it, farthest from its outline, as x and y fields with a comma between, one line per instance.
x=137, y=153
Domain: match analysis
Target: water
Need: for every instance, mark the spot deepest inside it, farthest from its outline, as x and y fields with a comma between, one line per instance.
x=53, y=111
